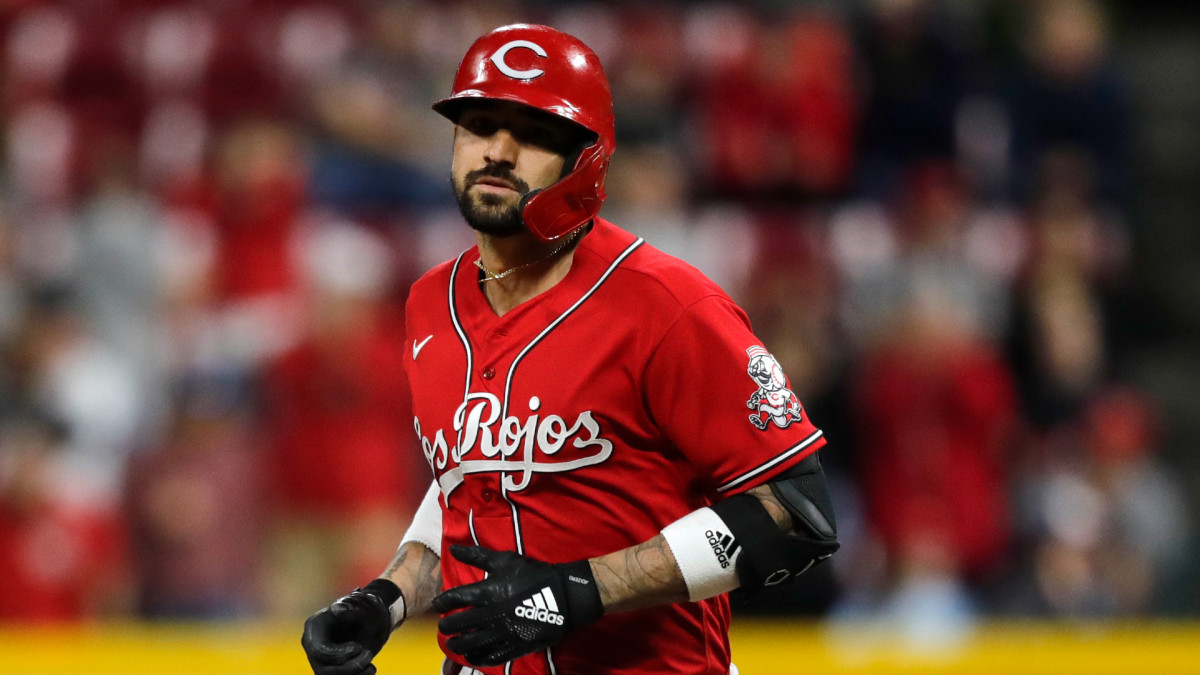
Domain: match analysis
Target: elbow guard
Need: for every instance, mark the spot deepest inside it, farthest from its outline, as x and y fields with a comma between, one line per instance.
x=770, y=557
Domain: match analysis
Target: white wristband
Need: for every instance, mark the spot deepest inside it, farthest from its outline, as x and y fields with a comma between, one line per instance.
x=706, y=553
x=426, y=527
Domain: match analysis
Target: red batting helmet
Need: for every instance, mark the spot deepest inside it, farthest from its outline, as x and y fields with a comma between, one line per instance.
x=551, y=71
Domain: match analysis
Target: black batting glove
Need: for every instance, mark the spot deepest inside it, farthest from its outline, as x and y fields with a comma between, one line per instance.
x=343, y=638
x=523, y=606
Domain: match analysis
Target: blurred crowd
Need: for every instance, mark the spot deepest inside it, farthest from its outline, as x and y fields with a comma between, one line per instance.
x=210, y=213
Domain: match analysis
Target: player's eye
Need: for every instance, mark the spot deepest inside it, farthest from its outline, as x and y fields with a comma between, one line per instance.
x=540, y=136
x=480, y=125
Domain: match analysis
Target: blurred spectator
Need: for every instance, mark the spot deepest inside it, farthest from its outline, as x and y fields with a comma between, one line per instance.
x=120, y=276
x=252, y=201
x=238, y=80
x=374, y=144
x=343, y=465
x=914, y=78
x=60, y=561
x=1105, y=522
x=775, y=118
x=937, y=419
x=1070, y=94
x=791, y=296
x=647, y=74
x=1078, y=257
x=935, y=412
x=931, y=235
x=40, y=42
x=195, y=506
x=648, y=195
x=56, y=363
x=246, y=212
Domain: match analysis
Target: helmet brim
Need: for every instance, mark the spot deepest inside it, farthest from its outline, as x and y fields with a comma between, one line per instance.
x=552, y=109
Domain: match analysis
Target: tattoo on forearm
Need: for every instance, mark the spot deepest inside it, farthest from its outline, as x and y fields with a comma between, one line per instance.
x=418, y=572
x=428, y=580
x=397, y=562
x=639, y=576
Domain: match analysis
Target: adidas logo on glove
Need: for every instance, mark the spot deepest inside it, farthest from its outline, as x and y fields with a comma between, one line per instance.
x=541, y=607
x=724, y=546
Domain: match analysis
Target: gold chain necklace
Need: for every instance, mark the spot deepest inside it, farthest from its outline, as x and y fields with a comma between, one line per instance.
x=489, y=275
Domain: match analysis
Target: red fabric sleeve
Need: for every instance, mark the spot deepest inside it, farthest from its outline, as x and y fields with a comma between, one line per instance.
x=723, y=400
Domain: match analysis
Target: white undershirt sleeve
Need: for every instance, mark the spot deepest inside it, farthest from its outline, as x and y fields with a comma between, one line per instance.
x=426, y=527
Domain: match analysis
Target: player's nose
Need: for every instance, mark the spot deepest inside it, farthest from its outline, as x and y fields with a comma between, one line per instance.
x=502, y=147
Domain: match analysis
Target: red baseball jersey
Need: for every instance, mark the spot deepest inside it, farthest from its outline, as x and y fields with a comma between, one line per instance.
x=590, y=417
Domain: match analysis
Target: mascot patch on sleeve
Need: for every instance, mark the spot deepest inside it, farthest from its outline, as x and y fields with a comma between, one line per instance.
x=773, y=401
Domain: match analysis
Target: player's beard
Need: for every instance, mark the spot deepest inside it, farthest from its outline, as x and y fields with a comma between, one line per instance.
x=488, y=213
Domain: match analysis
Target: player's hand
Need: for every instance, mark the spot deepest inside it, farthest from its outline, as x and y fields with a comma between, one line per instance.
x=524, y=605
x=343, y=638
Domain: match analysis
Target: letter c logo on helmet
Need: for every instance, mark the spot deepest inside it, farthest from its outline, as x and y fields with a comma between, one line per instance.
x=498, y=59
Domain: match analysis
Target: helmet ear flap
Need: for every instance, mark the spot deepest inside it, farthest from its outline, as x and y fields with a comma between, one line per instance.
x=572, y=202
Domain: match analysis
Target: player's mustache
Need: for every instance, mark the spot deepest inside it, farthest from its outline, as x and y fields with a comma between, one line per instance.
x=498, y=171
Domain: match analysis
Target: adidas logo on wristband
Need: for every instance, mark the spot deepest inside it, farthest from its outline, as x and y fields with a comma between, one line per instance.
x=724, y=546
x=541, y=607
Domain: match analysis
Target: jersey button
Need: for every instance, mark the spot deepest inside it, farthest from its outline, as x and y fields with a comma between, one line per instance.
x=489, y=373
x=487, y=494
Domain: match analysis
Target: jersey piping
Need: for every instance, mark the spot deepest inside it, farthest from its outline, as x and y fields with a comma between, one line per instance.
x=771, y=463
x=554, y=324
x=462, y=336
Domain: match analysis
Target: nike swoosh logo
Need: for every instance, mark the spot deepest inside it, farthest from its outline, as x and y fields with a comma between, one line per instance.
x=418, y=346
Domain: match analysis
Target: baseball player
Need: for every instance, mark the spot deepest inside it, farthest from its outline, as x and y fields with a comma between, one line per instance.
x=581, y=399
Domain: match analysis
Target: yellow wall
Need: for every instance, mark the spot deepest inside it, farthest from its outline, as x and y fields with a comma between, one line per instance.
x=760, y=648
